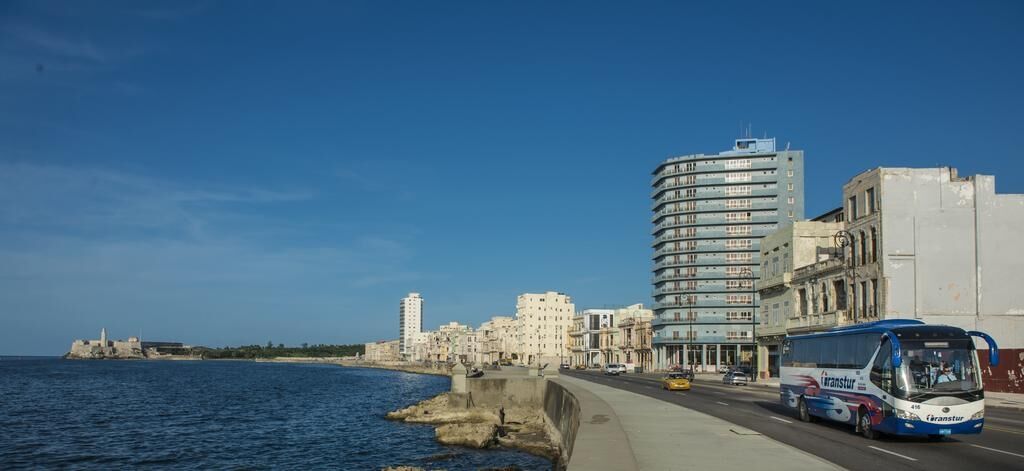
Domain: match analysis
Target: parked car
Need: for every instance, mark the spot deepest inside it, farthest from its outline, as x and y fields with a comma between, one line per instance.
x=725, y=369
x=564, y=366
x=687, y=373
x=581, y=366
x=505, y=362
x=675, y=382
x=735, y=378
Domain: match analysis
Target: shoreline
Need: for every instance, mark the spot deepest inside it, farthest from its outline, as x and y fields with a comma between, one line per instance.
x=406, y=368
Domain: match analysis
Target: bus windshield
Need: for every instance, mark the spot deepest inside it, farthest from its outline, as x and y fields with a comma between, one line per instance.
x=939, y=367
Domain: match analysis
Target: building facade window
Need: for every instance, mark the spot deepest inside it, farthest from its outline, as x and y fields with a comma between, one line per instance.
x=851, y=208
x=869, y=200
x=737, y=163
x=741, y=190
x=737, y=177
x=874, y=245
x=874, y=297
x=863, y=249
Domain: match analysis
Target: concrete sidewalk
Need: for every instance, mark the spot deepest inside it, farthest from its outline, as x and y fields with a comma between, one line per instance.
x=621, y=430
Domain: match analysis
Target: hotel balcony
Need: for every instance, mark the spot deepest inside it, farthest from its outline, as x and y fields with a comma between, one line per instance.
x=718, y=301
x=716, y=205
x=718, y=219
x=705, y=180
x=816, y=322
x=704, y=167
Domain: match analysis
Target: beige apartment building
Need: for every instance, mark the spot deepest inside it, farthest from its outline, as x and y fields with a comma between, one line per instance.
x=784, y=304
x=543, y=323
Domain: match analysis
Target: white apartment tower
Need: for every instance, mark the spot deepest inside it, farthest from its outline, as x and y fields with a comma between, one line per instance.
x=410, y=322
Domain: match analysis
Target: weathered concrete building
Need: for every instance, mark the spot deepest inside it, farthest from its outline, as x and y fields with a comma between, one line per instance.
x=635, y=336
x=383, y=350
x=784, y=303
x=498, y=337
x=928, y=244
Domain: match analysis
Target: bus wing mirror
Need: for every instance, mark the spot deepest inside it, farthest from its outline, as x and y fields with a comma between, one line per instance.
x=897, y=352
x=993, y=349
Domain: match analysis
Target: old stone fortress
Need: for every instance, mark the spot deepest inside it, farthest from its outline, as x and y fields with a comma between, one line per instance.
x=133, y=348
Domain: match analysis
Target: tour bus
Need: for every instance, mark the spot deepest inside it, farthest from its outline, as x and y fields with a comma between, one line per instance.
x=900, y=377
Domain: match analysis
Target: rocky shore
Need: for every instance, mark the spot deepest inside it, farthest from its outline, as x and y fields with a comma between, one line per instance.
x=397, y=366
x=460, y=424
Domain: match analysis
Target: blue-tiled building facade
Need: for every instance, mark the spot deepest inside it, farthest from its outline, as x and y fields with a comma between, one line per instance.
x=710, y=213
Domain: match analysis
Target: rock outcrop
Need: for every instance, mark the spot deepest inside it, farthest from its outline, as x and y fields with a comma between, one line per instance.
x=478, y=427
x=468, y=435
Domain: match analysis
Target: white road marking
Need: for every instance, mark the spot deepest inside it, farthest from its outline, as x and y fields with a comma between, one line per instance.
x=722, y=403
x=997, y=451
x=780, y=420
x=892, y=453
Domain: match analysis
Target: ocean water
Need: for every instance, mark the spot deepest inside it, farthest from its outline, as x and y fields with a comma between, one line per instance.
x=220, y=415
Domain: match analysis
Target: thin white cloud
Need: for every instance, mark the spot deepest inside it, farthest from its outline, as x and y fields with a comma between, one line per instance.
x=85, y=199
x=172, y=13
x=51, y=43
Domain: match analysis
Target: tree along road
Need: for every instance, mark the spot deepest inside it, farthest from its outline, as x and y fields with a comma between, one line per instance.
x=999, y=446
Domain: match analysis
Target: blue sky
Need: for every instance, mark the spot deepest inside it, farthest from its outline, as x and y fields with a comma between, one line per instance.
x=236, y=172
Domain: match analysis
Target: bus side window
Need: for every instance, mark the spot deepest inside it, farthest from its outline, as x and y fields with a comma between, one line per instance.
x=881, y=370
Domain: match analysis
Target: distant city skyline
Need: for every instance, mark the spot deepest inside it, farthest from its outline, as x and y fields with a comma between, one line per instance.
x=219, y=175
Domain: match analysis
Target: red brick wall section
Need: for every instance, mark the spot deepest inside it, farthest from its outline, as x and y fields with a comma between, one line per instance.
x=1008, y=376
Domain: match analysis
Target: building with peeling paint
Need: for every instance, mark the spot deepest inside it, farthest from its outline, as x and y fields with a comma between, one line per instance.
x=928, y=244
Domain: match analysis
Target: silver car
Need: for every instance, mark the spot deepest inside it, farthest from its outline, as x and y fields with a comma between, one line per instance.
x=614, y=369
x=735, y=378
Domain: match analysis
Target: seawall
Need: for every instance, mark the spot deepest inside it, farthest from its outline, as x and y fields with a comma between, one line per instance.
x=562, y=413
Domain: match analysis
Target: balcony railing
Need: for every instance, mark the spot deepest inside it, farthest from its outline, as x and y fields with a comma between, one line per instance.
x=819, y=267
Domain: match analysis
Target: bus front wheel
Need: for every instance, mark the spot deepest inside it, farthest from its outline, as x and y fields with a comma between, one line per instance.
x=865, y=425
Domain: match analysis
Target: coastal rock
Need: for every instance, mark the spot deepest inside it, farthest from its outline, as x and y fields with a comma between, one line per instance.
x=468, y=435
x=477, y=427
x=437, y=410
x=402, y=468
x=535, y=442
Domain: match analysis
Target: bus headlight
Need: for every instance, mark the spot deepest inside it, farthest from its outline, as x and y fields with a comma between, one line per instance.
x=905, y=415
x=978, y=415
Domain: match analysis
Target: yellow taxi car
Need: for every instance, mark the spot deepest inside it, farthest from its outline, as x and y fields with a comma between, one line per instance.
x=675, y=382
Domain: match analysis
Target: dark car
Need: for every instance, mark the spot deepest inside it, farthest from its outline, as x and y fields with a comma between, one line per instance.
x=564, y=366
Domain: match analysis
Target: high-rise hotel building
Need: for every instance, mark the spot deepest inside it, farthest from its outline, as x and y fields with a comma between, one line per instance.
x=410, y=323
x=710, y=213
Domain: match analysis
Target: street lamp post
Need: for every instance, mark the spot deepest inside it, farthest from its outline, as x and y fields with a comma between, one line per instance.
x=754, y=360
x=843, y=239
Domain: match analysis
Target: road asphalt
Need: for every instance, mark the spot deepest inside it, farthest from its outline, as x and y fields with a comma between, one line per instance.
x=1000, y=446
